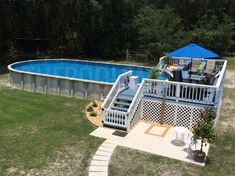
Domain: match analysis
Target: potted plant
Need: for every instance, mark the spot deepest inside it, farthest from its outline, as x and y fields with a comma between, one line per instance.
x=203, y=130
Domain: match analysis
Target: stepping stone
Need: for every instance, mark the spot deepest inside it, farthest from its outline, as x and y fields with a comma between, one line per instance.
x=102, y=153
x=106, y=149
x=99, y=163
x=98, y=168
x=101, y=158
x=98, y=174
x=108, y=145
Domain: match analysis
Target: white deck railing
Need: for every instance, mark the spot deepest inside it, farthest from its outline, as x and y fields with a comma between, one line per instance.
x=176, y=91
x=114, y=117
x=194, y=93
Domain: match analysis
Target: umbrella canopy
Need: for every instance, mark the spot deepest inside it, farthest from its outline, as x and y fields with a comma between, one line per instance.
x=193, y=51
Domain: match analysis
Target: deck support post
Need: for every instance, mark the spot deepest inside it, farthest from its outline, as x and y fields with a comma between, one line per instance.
x=177, y=91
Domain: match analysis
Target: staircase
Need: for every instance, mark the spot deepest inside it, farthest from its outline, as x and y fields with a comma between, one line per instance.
x=121, y=102
x=124, y=99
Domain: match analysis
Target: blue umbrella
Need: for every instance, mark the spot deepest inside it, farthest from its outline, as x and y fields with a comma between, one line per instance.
x=193, y=51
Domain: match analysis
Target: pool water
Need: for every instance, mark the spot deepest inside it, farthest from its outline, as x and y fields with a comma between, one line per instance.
x=162, y=76
x=81, y=69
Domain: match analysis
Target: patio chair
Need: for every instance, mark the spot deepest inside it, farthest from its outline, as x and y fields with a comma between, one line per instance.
x=195, y=65
x=210, y=67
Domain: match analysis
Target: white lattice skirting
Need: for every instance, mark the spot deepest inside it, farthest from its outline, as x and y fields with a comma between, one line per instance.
x=175, y=114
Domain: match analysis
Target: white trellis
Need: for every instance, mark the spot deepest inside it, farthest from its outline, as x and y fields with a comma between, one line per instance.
x=175, y=114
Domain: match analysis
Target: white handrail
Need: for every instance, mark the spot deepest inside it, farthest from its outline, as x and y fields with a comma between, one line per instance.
x=138, y=93
x=115, y=86
x=181, y=83
x=222, y=74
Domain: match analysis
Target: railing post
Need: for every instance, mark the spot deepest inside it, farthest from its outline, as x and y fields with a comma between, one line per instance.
x=103, y=116
x=177, y=91
x=128, y=122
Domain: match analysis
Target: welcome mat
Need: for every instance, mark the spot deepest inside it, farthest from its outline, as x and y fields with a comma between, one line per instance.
x=119, y=133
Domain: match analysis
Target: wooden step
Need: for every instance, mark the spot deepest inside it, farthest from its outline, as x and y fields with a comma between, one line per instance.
x=120, y=109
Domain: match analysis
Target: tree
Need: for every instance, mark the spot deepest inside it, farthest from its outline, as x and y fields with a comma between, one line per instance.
x=213, y=34
x=203, y=128
x=159, y=29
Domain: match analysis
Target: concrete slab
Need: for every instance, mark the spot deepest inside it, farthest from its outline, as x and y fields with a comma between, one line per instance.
x=102, y=132
x=163, y=146
x=157, y=130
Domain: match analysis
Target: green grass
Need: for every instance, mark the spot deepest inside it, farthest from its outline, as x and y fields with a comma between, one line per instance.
x=221, y=160
x=35, y=127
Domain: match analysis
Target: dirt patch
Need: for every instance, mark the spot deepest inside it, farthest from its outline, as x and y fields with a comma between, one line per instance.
x=230, y=79
x=141, y=163
x=5, y=80
x=226, y=121
x=67, y=163
x=95, y=120
x=232, y=160
x=11, y=170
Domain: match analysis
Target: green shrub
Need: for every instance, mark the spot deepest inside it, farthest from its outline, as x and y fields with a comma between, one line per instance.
x=153, y=74
x=90, y=109
x=94, y=104
x=93, y=113
x=203, y=128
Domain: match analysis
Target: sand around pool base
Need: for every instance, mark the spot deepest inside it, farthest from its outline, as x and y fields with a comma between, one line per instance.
x=97, y=119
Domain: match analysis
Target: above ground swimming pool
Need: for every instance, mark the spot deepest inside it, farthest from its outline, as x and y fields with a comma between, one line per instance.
x=77, y=78
x=85, y=79
x=86, y=70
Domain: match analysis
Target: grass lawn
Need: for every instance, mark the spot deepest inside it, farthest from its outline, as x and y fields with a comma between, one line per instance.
x=231, y=62
x=221, y=160
x=44, y=134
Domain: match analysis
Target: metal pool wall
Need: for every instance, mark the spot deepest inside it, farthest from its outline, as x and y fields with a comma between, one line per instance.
x=59, y=85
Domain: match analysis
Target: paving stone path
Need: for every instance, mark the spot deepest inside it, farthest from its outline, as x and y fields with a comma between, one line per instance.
x=100, y=161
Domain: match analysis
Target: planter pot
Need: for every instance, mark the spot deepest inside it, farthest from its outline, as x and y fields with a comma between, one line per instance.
x=199, y=156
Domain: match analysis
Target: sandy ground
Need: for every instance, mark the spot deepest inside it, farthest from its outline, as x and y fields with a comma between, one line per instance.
x=97, y=119
x=5, y=80
x=230, y=79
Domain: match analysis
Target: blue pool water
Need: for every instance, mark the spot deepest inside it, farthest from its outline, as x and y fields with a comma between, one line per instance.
x=81, y=69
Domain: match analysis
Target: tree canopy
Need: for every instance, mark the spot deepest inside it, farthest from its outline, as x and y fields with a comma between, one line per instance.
x=107, y=27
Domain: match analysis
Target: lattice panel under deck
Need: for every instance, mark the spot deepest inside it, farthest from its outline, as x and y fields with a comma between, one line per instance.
x=151, y=110
x=170, y=113
x=175, y=114
x=183, y=116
